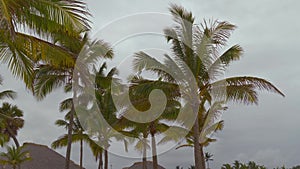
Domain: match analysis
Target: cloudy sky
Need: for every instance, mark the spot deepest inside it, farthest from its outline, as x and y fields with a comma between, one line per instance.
x=269, y=33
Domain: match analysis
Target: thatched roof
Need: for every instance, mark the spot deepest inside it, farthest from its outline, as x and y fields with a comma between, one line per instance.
x=139, y=165
x=43, y=158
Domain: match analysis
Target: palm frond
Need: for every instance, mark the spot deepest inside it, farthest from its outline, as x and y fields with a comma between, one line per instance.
x=205, y=134
x=218, y=32
x=49, y=78
x=142, y=144
x=63, y=140
x=185, y=145
x=213, y=113
x=56, y=16
x=62, y=123
x=218, y=66
x=66, y=104
x=258, y=83
x=180, y=14
x=8, y=94
x=245, y=94
x=171, y=35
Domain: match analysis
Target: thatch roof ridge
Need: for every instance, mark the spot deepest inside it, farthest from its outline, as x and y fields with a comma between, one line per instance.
x=138, y=165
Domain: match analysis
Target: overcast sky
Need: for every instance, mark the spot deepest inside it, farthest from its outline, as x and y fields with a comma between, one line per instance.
x=269, y=33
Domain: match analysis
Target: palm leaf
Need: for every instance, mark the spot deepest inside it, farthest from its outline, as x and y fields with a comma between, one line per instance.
x=243, y=88
x=218, y=66
x=66, y=104
x=56, y=16
x=8, y=94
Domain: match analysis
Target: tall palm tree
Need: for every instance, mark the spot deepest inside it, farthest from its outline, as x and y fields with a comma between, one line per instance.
x=32, y=32
x=199, y=48
x=49, y=26
x=78, y=134
x=49, y=77
x=11, y=121
x=140, y=90
x=105, y=103
x=14, y=157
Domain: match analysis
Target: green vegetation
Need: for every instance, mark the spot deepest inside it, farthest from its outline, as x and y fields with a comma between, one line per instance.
x=199, y=51
x=11, y=121
x=40, y=42
x=14, y=157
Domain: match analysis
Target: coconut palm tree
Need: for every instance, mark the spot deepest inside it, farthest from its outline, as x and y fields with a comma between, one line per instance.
x=11, y=121
x=139, y=92
x=105, y=103
x=32, y=32
x=199, y=48
x=49, y=77
x=58, y=26
x=14, y=157
x=78, y=134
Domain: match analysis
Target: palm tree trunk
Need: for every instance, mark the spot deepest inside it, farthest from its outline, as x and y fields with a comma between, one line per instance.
x=144, y=153
x=81, y=154
x=207, y=163
x=105, y=159
x=198, y=150
x=202, y=157
x=100, y=166
x=11, y=134
x=154, y=153
x=69, y=145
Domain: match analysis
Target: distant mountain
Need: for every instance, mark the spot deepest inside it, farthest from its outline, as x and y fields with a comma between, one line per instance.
x=43, y=158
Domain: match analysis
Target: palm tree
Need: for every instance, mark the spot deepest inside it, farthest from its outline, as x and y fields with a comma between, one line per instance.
x=140, y=90
x=105, y=103
x=208, y=157
x=11, y=121
x=239, y=165
x=61, y=23
x=98, y=153
x=199, y=48
x=32, y=32
x=49, y=77
x=78, y=134
x=14, y=157
x=5, y=94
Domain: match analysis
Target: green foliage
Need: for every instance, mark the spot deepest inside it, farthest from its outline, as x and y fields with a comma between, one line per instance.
x=14, y=156
x=36, y=31
x=10, y=122
x=199, y=47
x=239, y=165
